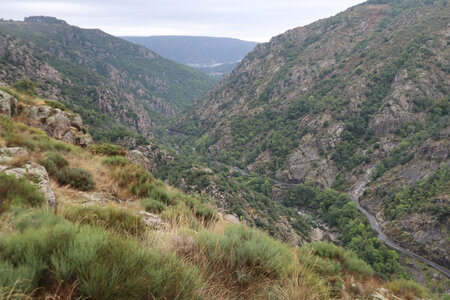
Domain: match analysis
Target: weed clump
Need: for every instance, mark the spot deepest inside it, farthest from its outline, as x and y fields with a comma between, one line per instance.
x=77, y=178
x=245, y=254
x=116, y=219
x=152, y=205
x=107, y=150
x=17, y=191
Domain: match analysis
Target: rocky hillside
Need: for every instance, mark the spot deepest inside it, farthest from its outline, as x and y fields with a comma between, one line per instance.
x=87, y=222
x=360, y=98
x=102, y=77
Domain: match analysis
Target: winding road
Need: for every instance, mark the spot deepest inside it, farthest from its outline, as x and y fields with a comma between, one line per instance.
x=355, y=194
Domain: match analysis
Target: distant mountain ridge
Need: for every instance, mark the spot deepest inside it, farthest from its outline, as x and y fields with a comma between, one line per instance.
x=104, y=78
x=208, y=54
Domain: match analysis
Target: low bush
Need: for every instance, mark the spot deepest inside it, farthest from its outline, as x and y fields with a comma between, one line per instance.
x=54, y=163
x=153, y=205
x=201, y=210
x=407, y=289
x=55, y=104
x=105, y=266
x=246, y=254
x=349, y=260
x=77, y=178
x=138, y=181
x=107, y=149
x=115, y=161
x=109, y=217
x=17, y=191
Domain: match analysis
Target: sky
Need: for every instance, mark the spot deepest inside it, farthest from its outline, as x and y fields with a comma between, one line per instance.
x=254, y=20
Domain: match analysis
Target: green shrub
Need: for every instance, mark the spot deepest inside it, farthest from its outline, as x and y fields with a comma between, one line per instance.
x=162, y=196
x=153, y=205
x=55, y=104
x=6, y=125
x=138, y=181
x=26, y=86
x=404, y=287
x=109, y=217
x=115, y=161
x=107, y=149
x=54, y=163
x=77, y=178
x=18, y=191
x=349, y=260
x=246, y=254
x=105, y=266
x=201, y=210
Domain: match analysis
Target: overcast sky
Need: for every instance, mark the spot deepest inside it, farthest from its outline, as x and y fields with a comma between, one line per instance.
x=256, y=20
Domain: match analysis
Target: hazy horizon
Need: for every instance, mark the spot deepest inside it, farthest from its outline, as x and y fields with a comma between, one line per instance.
x=249, y=20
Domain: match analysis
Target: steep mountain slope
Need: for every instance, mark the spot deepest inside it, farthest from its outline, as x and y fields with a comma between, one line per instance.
x=96, y=72
x=362, y=96
x=212, y=55
x=89, y=223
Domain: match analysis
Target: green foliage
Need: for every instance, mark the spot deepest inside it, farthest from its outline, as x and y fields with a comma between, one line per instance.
x=200, y=209
x=109, y=217
x=347, y=259
x=54, y=163
x=403, y=287
x=117, y=161
x=107, y=149
x=419, y=196
x=77, y=178
x=356, y=234
x=153, y=205
x=332, y=263
x=17, y=191
x=138, y=181
x=26, y=86
x=105, y=266
x=436, y=121
x=246, y=254
x=56, y=104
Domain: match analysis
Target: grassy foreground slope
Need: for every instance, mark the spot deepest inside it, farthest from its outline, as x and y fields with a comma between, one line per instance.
x=119, y=233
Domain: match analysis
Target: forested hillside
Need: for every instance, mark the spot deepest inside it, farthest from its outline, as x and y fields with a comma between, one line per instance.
x=357, y=101
x=102, y=77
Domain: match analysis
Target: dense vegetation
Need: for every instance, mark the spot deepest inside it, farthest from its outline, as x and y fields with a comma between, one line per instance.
x=102, y=77
x=355, y=233
x=420, y=196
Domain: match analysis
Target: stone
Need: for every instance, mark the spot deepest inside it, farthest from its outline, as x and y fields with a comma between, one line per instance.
x=8, y=104
x=232, y=219
x=77, y=122
x=39, y=178
x=58, y=125
x=138, y=157
x=8, y=154
x=38, y=113
x=153, y=221
x=357, y=288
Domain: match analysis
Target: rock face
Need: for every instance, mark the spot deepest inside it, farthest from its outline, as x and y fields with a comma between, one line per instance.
x=61, y=125
x=8, y=104
x=138, y=157
x=35, y=173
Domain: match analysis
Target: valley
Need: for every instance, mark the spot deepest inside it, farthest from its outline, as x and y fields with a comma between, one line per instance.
x=328, y=144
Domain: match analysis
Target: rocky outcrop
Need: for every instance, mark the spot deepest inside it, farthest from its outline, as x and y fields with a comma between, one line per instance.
x=139, y=158
x=8, y=104
x=35, y=173
x=58, y=124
